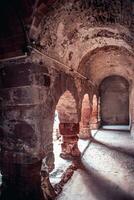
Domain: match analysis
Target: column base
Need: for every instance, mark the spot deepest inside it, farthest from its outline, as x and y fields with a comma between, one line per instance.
x=95, y=126
x=85, y=133
x=69, y=147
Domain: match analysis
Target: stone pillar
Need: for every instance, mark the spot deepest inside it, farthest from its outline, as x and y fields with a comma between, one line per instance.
x=23, y=89
x=20, y=181
x=69, y=146
x=94, y=121
x=85, y=131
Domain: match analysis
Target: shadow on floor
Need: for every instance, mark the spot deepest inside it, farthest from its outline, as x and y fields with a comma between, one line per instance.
x=101, y=188
x=90, y=141
x=125, y=151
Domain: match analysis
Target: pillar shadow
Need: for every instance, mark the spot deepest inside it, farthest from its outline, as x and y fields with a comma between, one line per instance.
x=101, y=187
x=90, y=141
x=124, y=151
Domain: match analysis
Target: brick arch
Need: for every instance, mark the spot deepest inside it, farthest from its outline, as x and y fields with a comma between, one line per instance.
x=67, y=108
x=69, y=125
x=105, y=48
x=106, y=61
x=41, y=9
x=63, y=83
x=66, y=35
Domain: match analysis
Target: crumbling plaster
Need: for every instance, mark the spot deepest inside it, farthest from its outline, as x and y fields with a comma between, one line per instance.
x=73, y=29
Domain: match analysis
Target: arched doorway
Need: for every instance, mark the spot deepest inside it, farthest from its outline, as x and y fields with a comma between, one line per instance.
x=68, y=125
x=114, y=101
x=65, y=135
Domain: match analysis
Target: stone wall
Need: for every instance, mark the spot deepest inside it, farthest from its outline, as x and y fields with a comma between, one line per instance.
x=94, y=38
x=114, y=96
x=29, y=93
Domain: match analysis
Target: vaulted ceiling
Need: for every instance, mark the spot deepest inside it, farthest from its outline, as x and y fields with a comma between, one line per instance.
x=16, y=18
x=20, y=19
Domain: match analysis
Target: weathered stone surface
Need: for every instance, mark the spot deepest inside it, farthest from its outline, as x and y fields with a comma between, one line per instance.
x=85, y=118
x=95, y=116
x=67, y=108
x=114, y=101
x=69, y=146
x=106, y=170
x=48, y=190
x=22, y=75
x=93, y=38
x=83, y=24
x=21, y=182
x=22, y=103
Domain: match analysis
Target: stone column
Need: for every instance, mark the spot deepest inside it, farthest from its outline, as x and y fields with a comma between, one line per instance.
x=23, y=90
x=20, y=181
x=69, y=146
x=85, y=131
x=94, y=121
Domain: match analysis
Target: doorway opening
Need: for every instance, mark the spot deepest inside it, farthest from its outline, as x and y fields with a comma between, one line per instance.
x=65, y=113
x=114, y=103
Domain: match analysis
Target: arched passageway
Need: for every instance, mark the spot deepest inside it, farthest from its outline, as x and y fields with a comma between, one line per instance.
x=114, y=101
x=68, y=125
x=58, y=46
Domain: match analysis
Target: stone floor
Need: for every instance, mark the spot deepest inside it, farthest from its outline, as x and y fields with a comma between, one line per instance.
x=106, y=170
x=61, y=164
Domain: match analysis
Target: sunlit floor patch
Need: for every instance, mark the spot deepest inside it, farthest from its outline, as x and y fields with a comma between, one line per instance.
x=116, y=127
x=61, y=164
x=106, y=171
